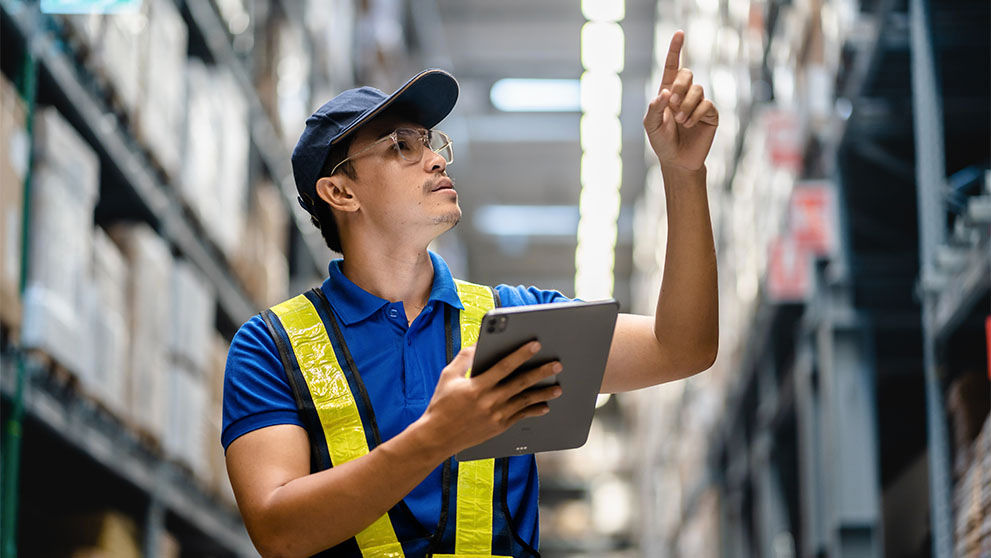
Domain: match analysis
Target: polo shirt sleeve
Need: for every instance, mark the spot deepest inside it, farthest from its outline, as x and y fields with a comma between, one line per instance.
x=525, y=296
x=256, y=391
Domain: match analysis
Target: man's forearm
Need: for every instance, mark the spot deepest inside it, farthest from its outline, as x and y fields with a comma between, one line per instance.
x=687, y=317
x=317, y=511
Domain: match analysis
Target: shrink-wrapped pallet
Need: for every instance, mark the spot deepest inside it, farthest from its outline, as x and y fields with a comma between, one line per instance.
x=108, y=329
x=186, y=402
x=148, y=317
x=215, y=166
x=124, y=37
x=193, y=314
x=63, y=195
x=14, y=146
x=160, y=119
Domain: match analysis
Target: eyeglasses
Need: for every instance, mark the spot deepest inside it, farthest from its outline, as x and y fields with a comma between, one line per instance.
x=410, y=143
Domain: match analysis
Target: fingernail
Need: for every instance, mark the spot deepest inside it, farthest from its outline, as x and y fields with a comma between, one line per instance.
x=675, y=99
x=534, y=347
x=680, y=117
x=557, y=367
x=557, y=392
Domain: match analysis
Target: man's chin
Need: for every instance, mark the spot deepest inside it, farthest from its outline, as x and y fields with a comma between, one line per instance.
x=450, y=219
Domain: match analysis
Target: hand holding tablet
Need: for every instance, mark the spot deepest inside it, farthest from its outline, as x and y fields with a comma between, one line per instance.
x=578, y=334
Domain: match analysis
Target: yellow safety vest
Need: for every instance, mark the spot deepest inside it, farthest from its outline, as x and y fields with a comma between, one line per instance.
x=341, y=428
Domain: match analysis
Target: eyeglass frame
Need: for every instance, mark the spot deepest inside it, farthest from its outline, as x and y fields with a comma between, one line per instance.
x=424, y=139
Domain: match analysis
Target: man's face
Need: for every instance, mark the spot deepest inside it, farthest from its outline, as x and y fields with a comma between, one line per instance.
x=398, y=195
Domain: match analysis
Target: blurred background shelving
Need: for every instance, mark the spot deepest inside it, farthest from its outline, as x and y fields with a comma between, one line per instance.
x=849, y=193
x=148, y=210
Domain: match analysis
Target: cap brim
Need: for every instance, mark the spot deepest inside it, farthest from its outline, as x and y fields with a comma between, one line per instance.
x=427, y=98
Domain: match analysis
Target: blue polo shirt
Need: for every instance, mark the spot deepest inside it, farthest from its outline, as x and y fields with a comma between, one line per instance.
x=400, y=365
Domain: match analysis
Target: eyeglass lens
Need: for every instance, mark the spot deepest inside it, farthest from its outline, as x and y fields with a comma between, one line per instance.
x=410, y=144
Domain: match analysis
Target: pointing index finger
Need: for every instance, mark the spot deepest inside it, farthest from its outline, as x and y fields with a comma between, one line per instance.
x=672, y=62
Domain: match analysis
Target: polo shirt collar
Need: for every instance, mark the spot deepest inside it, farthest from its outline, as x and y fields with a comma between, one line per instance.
x=443, y=288
x=355, y=304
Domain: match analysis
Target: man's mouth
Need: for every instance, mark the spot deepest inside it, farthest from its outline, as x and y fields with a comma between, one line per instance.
x=443, y=184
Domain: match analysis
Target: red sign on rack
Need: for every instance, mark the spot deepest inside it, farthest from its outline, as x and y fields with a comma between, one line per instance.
x=789, y=271
x=784, y=139
x=812, y=219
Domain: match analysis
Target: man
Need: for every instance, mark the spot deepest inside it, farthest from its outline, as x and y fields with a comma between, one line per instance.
x=344, y=406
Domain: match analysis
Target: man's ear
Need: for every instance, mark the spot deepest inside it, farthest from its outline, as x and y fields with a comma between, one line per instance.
x=335, y=191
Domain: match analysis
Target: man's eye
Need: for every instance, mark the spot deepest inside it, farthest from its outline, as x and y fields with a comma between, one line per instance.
x=402, y=144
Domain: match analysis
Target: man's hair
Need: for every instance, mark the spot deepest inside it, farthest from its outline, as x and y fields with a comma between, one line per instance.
x=323, y=217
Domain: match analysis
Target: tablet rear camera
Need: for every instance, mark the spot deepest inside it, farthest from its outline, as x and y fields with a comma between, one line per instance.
x=497, y=324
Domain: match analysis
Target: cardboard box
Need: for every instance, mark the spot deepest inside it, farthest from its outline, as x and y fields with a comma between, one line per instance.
x=149, y=313
x=261, y=262
x=14, y=146
x=96, y=534
x=64, y=190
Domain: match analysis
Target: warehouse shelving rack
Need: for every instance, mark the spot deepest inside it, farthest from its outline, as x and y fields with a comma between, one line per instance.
x=837, y=398
x=89, y=430
x=56, y=412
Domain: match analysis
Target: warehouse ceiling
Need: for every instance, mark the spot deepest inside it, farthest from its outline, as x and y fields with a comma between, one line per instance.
x=527, y=158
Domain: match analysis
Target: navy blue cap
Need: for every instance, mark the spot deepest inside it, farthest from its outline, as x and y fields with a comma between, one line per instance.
x=425, y=99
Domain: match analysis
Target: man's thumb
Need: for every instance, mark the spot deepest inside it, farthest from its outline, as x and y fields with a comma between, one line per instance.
x=462, y=361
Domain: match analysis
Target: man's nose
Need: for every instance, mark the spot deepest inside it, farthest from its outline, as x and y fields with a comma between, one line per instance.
x=434, y=161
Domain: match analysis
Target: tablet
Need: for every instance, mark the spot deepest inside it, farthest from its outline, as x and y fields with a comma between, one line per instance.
x=578, y=334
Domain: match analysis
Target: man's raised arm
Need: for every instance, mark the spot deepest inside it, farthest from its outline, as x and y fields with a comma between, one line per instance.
x=683, y=336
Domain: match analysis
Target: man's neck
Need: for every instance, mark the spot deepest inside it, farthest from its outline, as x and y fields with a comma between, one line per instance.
x=398, y=275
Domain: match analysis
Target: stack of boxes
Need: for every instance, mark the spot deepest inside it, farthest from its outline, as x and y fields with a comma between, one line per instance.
x=149, y=311
x=260, y=262
x=215, y=167
x=109, y=328
x=161, y=106
x=63, y=195
x=189, y=349
x=117, y=46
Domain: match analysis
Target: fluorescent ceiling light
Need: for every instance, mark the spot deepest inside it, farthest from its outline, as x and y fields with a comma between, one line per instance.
x=603, y=10
x=536, y=95
x=601, y=92
x=601, y=132
x=602, y=47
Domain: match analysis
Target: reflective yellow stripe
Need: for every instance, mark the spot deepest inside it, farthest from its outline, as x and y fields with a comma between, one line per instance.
x=477, y=300
x=335, y=406
x=473, y=534
x=476, y=479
